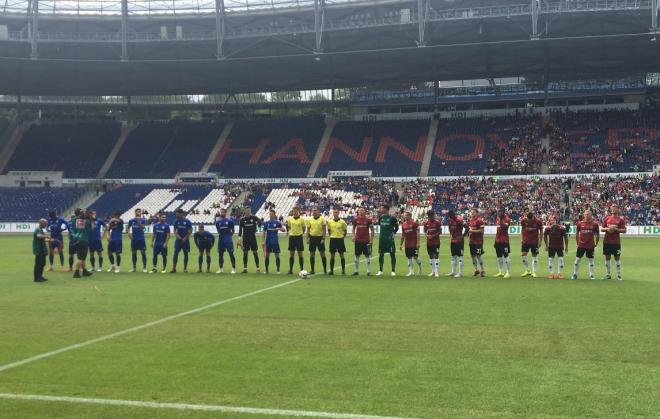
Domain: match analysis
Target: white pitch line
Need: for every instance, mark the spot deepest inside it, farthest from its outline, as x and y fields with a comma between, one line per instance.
x=141, y=327
x=199, y=407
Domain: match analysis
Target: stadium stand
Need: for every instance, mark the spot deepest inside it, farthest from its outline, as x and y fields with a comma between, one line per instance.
x=269, y=148
x=387, y=148
x=31, y=204
x=159, y=150
x=65, y=146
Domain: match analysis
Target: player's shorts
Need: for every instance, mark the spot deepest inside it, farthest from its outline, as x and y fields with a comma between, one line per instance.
x=412, y=252
x=611, y=249
x=337, y=245
x=386, y=246
x=502, y=250
x=296, y=243
x=56, y=243
x=205, y=248
x=80, y=249
x=362, y=249
x=182, y=245
x=433, y=250
x=160, y=249
x=250, y=243
x=476, y=249
x=138, y=244
x=226, y=245
x=272, y=248
x=457, y=249
x=316, y=243
x=114, y=246
x=555, y=252
x=530, y=248
x=96, y=246
x=581, y=251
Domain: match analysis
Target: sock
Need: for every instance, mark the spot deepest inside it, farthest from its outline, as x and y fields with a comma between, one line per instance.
x=312, y=262
x=591, y=267
x=480, y=258
x=332, y=262
x=393, y=261
x=277, y=262
x=576, y=265
x=617, y=263
x=118, y=261
x=525, y=262
x=535, y=262
x=232, y=259
x=50, y=259
x=301, y=262
x=453, y=264
x=208, y=262
x=551, y=265
x=561, y=265
x=256, y=259
x=267, y=262
x=460, y=265
x=290, y=263
x=92, y=260
x=134, y=260
x=419, y=263
x=410, y=265
x=368, y=262
x=200, y=259
x=175, y=259
x=608, y=266
x=100, y=261
x=245, y=258
x=164, y=262
x=343, y=264
x=221, y=259
x=154, y=260
x=507, y=261
x=357, y=264
x=112, y=259
x=381, y=261
x=475, y=263
x=500, y=264
x=185, y=260
x=144, y=259
x=324, y=262
x=70, y=261
x=61, y=258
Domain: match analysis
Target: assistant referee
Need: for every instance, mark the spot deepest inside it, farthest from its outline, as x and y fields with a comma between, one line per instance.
x=295, y=226
x=316, y=239
x=337, y=229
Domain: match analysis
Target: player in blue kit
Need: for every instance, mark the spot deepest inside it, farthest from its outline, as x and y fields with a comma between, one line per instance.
x=96, y=242
x=204, y=242
x=271, y=242
x=114, y=236
x=225, y=228
x=136, y=228
x=56, y=225
x=182, y=231
x=159, y=241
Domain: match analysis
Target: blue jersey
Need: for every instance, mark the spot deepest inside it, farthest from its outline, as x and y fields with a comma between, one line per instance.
x=225, y=227
x=204, y=240
x=272, y=227
x=96, y=230
x=136, y=227
x=56, y=226
x=161, y=231
x=182, y=227
x=116, y=229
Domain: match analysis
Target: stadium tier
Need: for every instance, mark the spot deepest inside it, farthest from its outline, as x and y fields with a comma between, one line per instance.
x=78, y=149
x=31, y=204
x=156, y=150
x=269, y=148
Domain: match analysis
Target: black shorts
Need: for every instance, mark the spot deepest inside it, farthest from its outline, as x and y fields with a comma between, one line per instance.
x=433, y=251
x=250, y=243
x=337, y=245
x=412, y=252
x=476, y=249
x=611, y=249
x=558, y=252
x=296, y=243
x=316, y=243
x=529, y=248
x=502, y=250
x=362, y=249
x=581, y=251
x=80, y=249
x=457, y=249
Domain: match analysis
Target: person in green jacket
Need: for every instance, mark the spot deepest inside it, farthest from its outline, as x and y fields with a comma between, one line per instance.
x=80, y=228
x=388, y=228
x=40, y=250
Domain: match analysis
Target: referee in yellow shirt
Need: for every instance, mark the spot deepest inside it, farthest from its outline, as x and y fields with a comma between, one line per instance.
x=337, y=229
x=295, y=226
x=316, y=239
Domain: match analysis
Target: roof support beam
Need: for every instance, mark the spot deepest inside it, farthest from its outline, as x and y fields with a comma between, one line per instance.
x=124, y=30
x=319, y=24
x=422, y=16
x=33, y=28
x=219, y=28
x=654, y=15
x=535, y=20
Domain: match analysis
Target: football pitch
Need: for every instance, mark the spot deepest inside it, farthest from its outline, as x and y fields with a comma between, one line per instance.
x=256, y=346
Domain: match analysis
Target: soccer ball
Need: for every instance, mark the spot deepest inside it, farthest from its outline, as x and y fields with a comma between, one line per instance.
x=303, y=274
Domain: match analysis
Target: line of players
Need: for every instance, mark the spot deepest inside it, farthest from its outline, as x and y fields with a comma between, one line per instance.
x=316, y=228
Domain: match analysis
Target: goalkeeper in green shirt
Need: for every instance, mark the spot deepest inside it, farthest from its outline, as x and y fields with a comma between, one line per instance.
x=388, y=227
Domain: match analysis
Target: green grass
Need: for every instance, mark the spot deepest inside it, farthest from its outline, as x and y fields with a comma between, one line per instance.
x=395, y=346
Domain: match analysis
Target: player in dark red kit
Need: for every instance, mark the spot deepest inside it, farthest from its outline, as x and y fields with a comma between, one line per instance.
x=477, y=226
x=410, y=238
x=458, y=230
x=502, y=248
x=363, y=237
x=613, y=226
x=433, y=229
x=587, y=236
x=556, y=242
x=531, y=229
